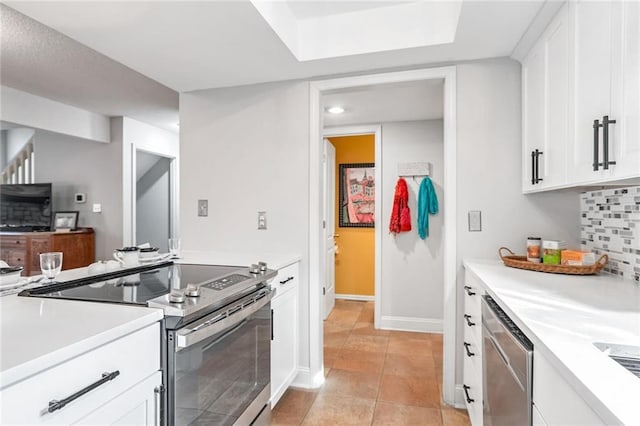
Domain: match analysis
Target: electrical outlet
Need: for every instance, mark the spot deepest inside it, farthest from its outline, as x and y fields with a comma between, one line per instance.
x=475, y=221
x=97, y=208
x=203, y=208
x=262, y=220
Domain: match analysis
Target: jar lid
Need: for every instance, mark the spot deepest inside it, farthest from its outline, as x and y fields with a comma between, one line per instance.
x=534, y=238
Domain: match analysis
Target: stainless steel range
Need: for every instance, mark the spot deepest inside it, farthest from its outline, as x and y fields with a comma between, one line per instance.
x=216, y=335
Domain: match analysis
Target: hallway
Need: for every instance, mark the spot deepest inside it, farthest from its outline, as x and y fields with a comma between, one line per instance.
x=373, y=377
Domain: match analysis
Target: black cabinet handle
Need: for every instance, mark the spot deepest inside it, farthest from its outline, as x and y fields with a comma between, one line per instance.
x=605, y=142
x=466, y=393
x=469, y=322
x=533, y=167
x=58, y=405
x=286, y=281
x=272, y=324
x=538, y=154
x=466, y=348
x=469, y=292
x=596, y=144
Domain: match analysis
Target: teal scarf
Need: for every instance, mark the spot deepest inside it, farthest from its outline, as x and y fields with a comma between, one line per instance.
x=427, y=204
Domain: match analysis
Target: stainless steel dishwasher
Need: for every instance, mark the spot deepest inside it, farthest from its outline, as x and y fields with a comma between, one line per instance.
x=507, y=370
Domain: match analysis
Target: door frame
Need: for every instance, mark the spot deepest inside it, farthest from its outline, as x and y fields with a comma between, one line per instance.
x=316, y=88
x=376, y=131
x=135, y=136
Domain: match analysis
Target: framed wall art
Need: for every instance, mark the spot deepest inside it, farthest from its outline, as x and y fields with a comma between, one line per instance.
x=357, y=195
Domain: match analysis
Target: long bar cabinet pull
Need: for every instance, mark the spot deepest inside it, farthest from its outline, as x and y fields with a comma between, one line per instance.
x=469, y=322
x=533, y=167
x=466, y=394
x=538, y=154
x=59, y=405
x=469, y=292
x=466, y=348
x=596, y=144
x=605, y=142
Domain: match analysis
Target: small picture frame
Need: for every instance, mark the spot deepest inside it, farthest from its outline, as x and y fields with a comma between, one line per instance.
x=65, y=221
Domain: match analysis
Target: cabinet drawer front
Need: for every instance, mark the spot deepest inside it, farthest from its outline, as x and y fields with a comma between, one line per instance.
x=13, y=242
x=472, y=382
x=15, y=257
x=286, y=279
x=473, y=292
x=135, y=356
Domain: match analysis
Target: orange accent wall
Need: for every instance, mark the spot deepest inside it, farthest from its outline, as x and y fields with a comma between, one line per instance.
x=356, y=246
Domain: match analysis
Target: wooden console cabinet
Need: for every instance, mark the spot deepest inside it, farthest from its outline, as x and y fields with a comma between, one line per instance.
x=23, y=249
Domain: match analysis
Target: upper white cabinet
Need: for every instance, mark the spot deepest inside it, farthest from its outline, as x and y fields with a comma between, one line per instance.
x=545, y=78
x=581, y=96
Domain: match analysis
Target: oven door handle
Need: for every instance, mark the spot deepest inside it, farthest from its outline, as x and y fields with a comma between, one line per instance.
x=190, y=336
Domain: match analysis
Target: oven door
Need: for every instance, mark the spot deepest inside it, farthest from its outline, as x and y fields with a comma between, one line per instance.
x=220, y=370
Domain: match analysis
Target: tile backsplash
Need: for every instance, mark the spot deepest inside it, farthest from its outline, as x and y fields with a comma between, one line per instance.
x=610, y=223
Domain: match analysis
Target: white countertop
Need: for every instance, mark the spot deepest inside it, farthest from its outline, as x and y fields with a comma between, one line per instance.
x=36, y=334
x=563, y=315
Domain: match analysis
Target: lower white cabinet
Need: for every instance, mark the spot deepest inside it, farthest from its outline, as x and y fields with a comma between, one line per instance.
x=139, y=405
x=133, y=362
x=472, y=349
x=555, y=400
x=284, y=344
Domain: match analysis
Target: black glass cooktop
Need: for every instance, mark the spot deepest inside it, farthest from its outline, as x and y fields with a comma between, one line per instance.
x=134, y=286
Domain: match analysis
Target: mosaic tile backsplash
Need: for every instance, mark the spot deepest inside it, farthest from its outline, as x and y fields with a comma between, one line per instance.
x=610, y=223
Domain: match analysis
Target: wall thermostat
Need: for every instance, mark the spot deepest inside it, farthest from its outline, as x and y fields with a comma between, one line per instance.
x=80, y=198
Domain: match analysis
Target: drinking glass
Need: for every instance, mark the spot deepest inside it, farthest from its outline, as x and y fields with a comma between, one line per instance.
x=50, y=265
x=174, y=247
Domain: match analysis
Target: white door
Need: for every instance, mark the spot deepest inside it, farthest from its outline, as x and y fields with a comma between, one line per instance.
x=329, y=200
x=591, y=97
x=625, y=107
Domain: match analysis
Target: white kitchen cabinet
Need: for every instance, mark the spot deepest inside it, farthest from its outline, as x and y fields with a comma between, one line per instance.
x=140, y=405
x=583, y=68
x=136, y=358
x=555, y=400
x=472, y=349
x=284, y=344
x=545, y=85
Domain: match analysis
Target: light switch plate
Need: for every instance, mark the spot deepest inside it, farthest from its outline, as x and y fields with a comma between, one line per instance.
x=203, y=208
x=262, y=220
x=475, y=221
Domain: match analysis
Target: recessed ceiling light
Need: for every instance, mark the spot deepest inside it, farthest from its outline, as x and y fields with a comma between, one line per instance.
x=335, y=110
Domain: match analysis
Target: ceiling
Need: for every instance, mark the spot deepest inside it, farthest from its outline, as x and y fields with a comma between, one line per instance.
x=206, y=44
x=317, y=30
x=39, y=60
x=417, y=100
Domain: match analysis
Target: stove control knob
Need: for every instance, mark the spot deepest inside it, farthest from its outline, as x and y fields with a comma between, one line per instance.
x=263, y=267
x=192, y=290
x=254, y=269
x=176, y=297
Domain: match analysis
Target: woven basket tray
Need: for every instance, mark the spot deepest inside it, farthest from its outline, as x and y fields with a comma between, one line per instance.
x=521, y=262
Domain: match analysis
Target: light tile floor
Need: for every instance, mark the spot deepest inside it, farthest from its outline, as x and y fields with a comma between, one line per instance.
x=373, y=377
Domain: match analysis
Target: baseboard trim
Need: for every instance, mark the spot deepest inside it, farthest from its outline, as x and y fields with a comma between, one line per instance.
x=355, y=297
x=423, y=325
x=459, y=397
x=305, y=380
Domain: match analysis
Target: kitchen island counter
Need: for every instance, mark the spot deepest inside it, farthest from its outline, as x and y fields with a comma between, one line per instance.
x=563, y=316
x=37, y=333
